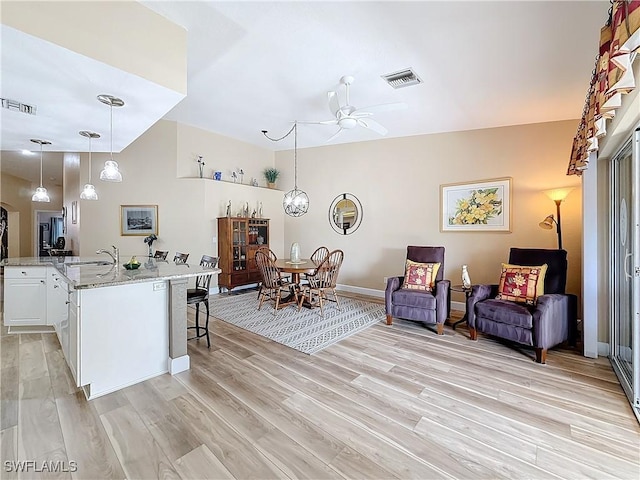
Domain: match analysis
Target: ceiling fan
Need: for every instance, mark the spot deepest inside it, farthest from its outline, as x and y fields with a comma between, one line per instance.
x=347, y=116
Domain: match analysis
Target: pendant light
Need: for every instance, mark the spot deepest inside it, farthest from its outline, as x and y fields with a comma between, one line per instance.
x=41, y=194
x=295, y=202
x=110, y=173
x=89, y=191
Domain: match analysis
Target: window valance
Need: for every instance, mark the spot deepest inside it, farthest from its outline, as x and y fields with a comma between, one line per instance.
x=612, y=77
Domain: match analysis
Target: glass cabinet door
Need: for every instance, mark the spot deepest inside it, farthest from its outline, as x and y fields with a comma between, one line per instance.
x=239, y=245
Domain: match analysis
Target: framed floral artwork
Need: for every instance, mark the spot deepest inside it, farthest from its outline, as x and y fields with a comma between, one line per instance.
x=482, y=206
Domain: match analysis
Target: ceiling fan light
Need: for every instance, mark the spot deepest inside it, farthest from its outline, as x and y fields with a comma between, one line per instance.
x=89, y=193
x=347, y=123
x=41, y=195
x=110, y=173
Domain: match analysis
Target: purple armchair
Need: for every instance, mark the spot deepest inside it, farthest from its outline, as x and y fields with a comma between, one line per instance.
x=428, y=307
x=551, y=321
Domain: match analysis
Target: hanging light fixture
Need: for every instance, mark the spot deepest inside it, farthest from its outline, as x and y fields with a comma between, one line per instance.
x=41, y=194
x=295, y=202
x=89, y=191
x=110, y=173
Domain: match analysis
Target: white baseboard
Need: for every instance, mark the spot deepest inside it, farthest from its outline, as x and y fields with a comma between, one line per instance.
x=372, y=292
x=603, y=349
x=180, y=364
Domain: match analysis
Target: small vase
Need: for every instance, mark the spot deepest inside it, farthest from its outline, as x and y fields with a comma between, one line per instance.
x=271, y=184
x=295, y=252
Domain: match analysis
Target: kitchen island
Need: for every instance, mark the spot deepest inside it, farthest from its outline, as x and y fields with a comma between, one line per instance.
x=117, y=327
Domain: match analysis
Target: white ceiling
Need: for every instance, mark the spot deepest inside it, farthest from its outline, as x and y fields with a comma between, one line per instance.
x=256, y=66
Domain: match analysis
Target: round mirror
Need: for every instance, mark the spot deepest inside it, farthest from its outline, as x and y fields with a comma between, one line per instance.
x=345, y=213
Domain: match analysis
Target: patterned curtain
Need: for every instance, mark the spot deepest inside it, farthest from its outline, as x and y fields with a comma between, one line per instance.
x=611, y=78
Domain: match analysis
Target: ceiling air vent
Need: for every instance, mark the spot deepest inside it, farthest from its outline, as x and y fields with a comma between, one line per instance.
x=17, y=106
x=403, y=78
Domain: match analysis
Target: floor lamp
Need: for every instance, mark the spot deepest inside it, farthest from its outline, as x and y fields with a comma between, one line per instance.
x=557, y=195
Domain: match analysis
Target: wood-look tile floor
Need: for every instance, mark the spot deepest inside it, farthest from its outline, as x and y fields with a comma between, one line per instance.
x=388, y=402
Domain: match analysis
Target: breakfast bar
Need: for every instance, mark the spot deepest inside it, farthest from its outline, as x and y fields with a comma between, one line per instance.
x=117, y=327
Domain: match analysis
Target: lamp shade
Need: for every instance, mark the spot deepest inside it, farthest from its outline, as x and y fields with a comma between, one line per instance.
x=110, y=173
x=560, y=194
x=89, y=192
x=548, y=222
x=40, y=194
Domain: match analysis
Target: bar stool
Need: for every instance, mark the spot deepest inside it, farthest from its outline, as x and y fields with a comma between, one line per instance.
x=160, y=255
x=180, y=257
x=200, y=294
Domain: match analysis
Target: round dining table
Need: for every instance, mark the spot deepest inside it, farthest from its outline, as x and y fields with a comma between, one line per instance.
x=304, y=265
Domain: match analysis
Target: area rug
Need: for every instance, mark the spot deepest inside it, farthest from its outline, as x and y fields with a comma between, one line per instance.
x=305, y=330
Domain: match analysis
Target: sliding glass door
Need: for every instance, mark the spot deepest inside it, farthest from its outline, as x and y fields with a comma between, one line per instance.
x=625, y=272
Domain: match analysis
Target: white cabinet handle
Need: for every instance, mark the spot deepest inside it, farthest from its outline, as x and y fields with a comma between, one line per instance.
x=42, y=281
x=24, y=273
x=67, y=302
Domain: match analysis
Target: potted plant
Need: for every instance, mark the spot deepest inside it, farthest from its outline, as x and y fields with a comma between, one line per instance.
x=271, y=175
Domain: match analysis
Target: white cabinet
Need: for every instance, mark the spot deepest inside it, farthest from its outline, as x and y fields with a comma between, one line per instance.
x=25, y=296
x=57, y=298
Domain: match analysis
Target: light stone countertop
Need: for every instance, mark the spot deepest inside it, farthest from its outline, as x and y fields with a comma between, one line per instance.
x=80, y=273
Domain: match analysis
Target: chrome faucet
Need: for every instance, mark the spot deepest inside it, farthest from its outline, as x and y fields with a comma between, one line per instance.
x=115, y=256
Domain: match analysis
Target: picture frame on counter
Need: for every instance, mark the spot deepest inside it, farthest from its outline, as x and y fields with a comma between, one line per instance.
x=141, y=220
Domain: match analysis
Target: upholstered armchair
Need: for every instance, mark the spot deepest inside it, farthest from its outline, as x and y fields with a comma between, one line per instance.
x=544, y=322
x=410, y=298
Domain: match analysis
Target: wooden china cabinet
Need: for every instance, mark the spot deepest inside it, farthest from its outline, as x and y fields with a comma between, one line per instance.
x=238, y=240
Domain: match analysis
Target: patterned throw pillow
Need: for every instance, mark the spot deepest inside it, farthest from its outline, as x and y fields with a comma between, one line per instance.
x=420, y=276
x=521, y=284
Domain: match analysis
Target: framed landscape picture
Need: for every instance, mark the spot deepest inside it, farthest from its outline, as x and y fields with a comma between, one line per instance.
x=138, y=219
x=481, y=206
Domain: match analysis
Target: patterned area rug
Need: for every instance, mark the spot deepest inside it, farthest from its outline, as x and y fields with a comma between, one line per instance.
x=306, y=330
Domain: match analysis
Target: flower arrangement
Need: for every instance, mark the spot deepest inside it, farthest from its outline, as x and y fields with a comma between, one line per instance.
x=478, y=208
x=271, y=174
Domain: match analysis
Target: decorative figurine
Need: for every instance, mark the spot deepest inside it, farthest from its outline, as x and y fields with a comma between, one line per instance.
x=260, y=210
x=253, y=214
x=466, y=281
x=217, y=175
x=234, y=175
x=201, y=166
x=241, y=176
x=229, y=209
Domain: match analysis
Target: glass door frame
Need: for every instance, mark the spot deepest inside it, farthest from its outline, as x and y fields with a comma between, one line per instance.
x=631, y=385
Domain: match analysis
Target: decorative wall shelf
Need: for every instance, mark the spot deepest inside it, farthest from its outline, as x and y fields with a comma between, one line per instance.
x=234, y=183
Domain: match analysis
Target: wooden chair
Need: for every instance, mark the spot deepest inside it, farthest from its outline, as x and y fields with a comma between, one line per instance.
x=200, y=294
x=324, y=279
x=181, y=257
x=273, y=284
x=273, y=257
x=317, y=258
x=160, y=255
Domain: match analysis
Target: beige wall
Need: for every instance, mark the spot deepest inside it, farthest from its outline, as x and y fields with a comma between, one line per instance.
x=131, y=37
x=187, y=207
x=398, y=182
x=15, y=196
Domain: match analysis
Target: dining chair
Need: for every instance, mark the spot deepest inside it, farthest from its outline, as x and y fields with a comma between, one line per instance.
x=273, y=284
x=180, y=257
x=160, y=255
x=323, y=280
x=200, y=294
x=273, y=257
x=317, y=257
